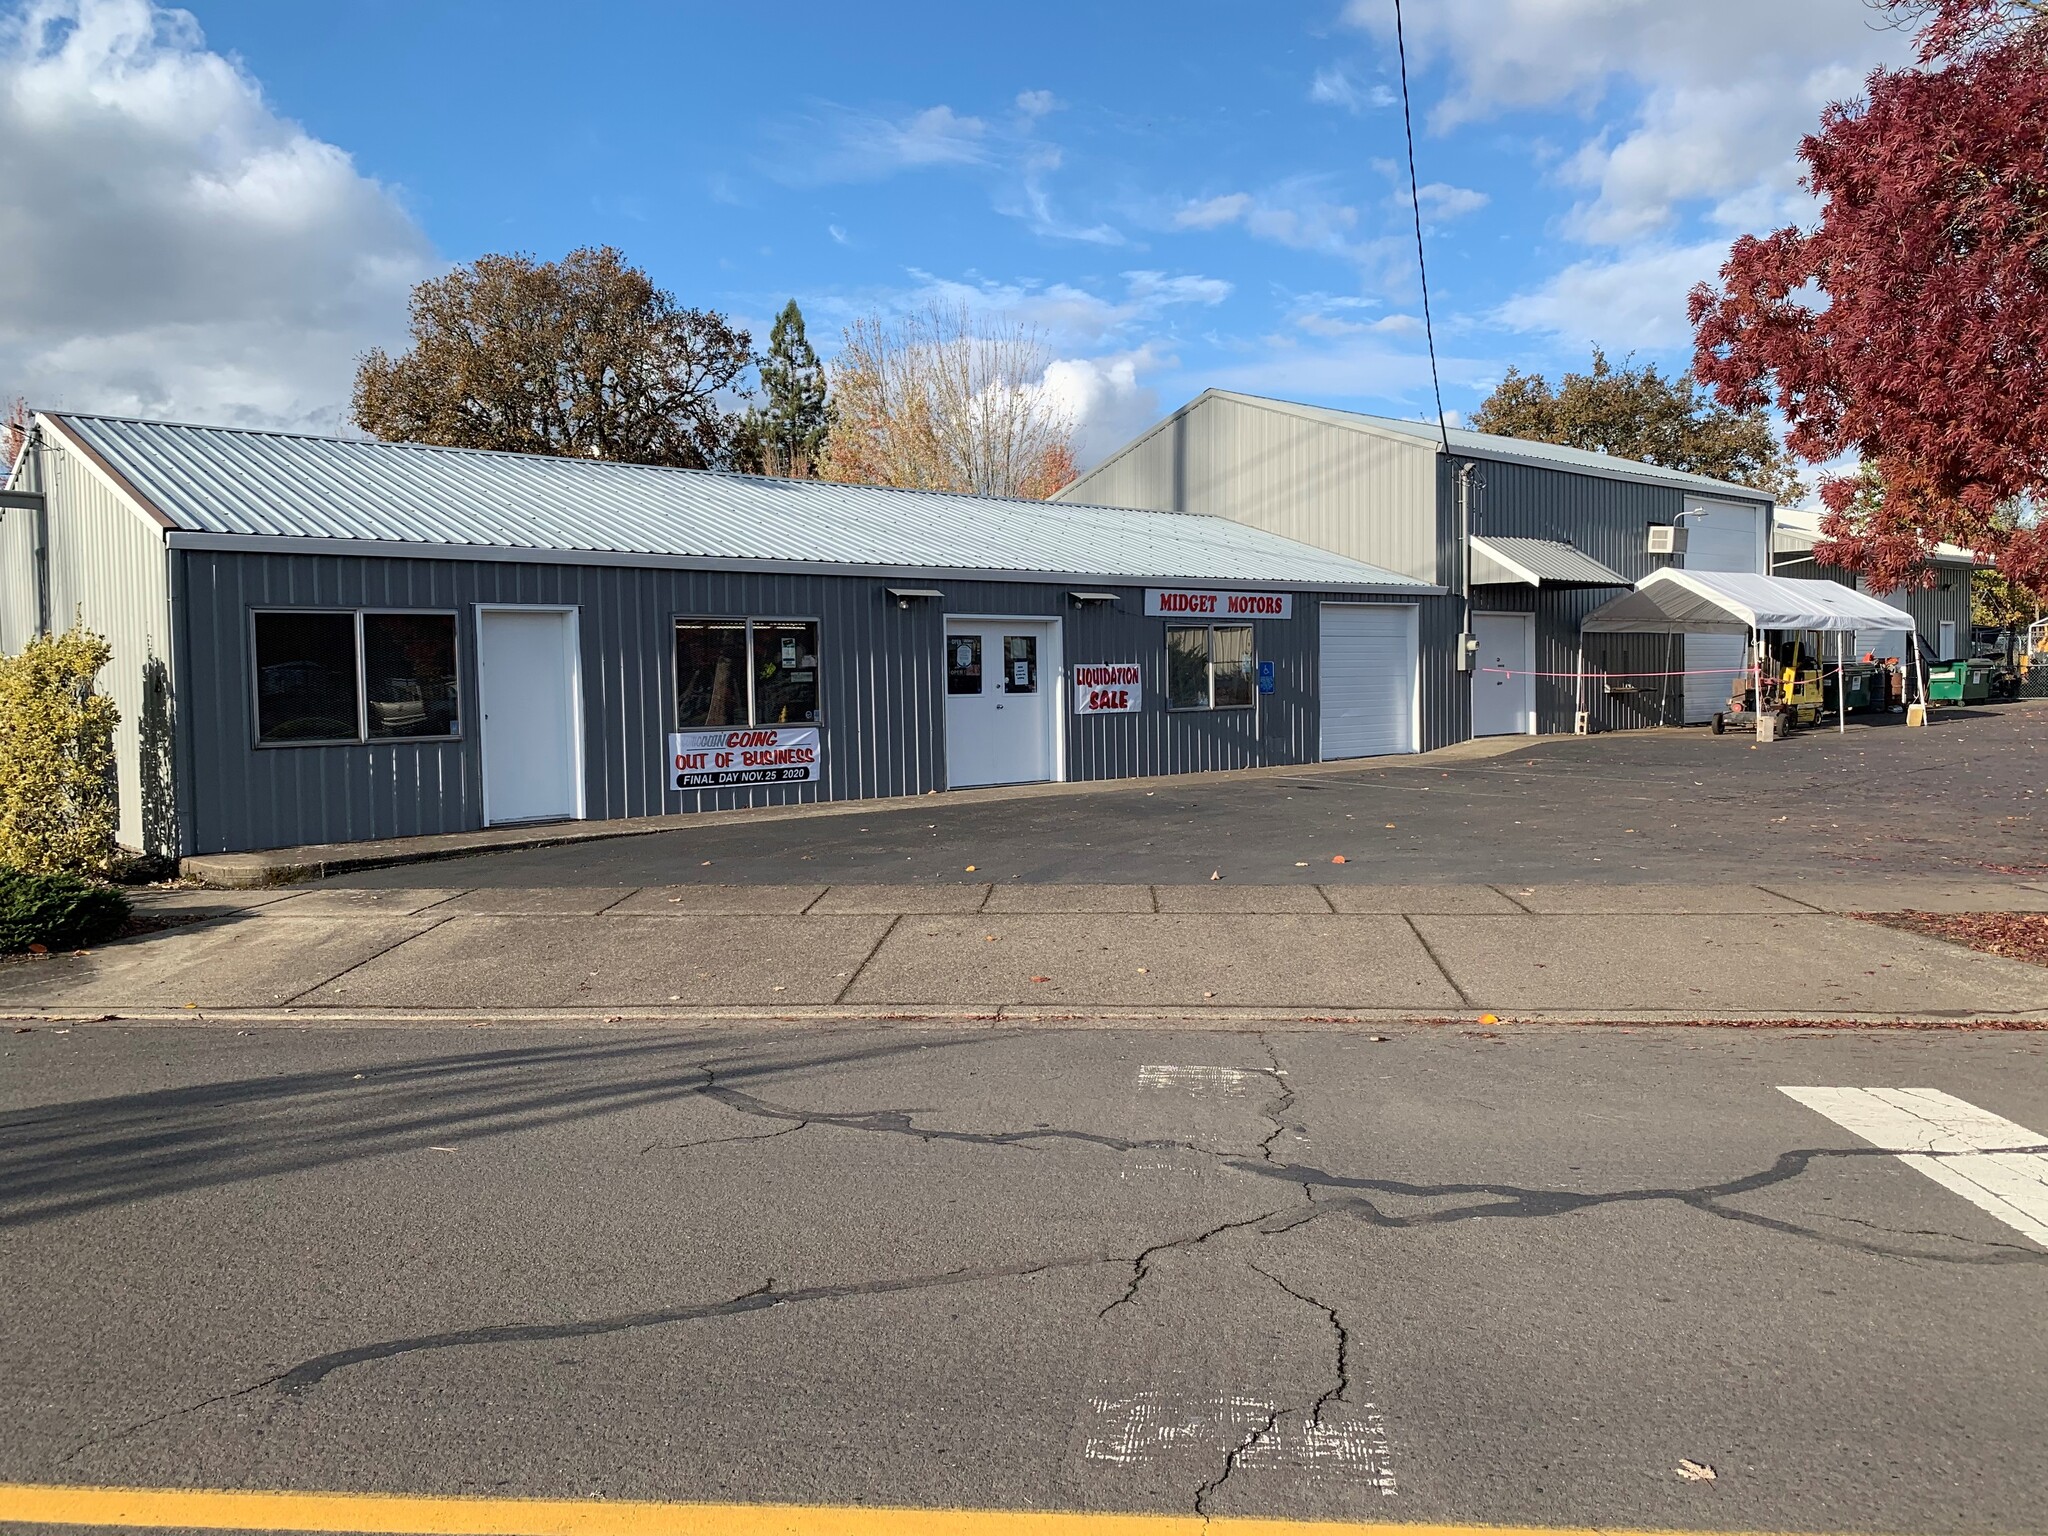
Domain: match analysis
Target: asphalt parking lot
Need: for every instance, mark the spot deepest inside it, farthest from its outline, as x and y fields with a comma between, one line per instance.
x=1962, y=799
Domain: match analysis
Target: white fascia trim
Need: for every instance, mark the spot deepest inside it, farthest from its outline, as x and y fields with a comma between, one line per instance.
x=397, y=549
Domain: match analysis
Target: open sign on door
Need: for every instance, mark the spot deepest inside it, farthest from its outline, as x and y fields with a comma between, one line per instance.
x=717, y=759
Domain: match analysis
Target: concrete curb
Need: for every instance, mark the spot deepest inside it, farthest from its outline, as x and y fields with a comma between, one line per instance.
x=288, y=866
x=2027, y=1021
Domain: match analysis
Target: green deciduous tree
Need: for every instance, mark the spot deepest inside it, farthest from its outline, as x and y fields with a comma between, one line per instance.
x=1638, y=413
x=785, y=435
x=583, y=357
x=58, y=809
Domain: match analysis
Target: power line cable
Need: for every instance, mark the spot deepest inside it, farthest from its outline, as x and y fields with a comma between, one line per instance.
x=1415, y=201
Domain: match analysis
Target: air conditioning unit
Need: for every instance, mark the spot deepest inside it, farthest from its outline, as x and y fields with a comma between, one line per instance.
x=1666, y=540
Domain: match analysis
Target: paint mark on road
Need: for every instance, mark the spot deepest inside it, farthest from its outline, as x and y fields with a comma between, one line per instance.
x=1995, y=1164
x=1149, y=1426
x=216, y=1510
x=1198, y=1081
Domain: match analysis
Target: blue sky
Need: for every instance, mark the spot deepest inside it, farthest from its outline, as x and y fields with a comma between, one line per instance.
x=219, y=208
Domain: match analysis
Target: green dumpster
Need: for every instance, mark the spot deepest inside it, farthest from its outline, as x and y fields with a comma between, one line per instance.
x=1858, y=681
x=1959, y=682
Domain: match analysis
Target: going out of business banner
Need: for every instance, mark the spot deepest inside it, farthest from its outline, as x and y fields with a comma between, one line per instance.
x=720, y=759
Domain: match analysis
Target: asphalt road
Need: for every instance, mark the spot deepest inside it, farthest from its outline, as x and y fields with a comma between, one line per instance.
x=1453, y=1274
x=1962, y=799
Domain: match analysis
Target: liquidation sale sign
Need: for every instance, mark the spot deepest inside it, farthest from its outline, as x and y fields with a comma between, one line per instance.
x=718, y=759
x=1108, y=688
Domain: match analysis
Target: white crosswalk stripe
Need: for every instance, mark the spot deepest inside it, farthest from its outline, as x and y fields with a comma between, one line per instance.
x=1997, y=1165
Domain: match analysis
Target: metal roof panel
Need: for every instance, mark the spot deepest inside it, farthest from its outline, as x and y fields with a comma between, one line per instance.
x=221, y=480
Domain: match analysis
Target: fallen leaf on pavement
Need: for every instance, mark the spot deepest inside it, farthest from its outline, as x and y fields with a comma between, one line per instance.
x=1215, y=874
x=970, y=869
x=39, y=949
x=1338, y=858
x=1695, y=1471
x=1041, y=978
x=1489, y=1018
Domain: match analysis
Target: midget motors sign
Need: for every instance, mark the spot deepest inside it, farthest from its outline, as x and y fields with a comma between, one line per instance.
x=1197, y=603
x=716, y=759
x=1108, y=688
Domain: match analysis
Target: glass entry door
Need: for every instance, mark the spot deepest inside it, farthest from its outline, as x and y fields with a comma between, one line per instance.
x=1002, y=701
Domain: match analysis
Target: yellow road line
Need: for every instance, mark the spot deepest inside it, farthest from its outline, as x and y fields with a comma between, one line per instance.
x=405, y=1515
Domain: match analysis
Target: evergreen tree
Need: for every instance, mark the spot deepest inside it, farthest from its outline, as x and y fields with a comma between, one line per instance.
x=786, y=435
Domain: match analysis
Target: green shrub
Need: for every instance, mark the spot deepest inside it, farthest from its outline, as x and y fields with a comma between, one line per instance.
x=56, y=911
x=57, y=792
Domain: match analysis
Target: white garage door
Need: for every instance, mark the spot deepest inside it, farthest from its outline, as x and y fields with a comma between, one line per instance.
x=1720, y=537
x=1368, y=679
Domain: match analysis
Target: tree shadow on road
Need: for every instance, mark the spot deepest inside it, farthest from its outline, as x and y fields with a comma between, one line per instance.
x=62, y=1159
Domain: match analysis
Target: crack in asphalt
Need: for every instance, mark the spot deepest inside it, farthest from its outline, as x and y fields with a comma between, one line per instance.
x=896, y=1122
x=1236, y=1454
x=1511, y=1201
x=1505, y=1201
x=1514, y=1202
x=720, y=1141
x=1341, y=1391
x=108, y=1437
x=1141, y=1266
x=310, y=1373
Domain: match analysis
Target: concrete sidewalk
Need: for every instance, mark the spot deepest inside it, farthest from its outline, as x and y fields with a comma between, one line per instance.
x=1186, y=953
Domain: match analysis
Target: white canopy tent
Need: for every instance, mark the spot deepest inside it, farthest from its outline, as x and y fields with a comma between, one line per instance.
x=1673, y=602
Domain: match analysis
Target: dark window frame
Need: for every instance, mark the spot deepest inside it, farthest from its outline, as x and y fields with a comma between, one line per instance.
x=1209, y=705
x=748, y=620
x=362, y=737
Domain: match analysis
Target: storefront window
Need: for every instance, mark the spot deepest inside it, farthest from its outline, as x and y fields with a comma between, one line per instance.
x=1020, y=663
x=785, y=672
x=306, y=677
x=733, y=672
x=963, y=663
x=409, y=674
x=1233, y=672
x=1211, y=667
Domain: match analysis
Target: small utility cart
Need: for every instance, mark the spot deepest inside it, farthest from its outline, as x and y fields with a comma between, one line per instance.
x=1785, y=687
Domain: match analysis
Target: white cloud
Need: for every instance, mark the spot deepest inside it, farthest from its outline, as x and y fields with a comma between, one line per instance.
x=1638, y=296
x=1035, y=104
x=172, y=246
x=843, y=144
x=1716, y=97
x=1214, y=212
x=1441, y=200
x=1071, y=318
x=838, y=234
x=1105, y=399
x=1334, y=87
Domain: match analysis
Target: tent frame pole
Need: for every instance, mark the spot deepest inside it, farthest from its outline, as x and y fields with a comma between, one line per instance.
x=1841, y=687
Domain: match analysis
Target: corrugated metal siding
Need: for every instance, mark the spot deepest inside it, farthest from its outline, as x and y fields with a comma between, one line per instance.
x=883, y=698
x=1605, y=519
x=1362, y=495
x=213, y=480
x=107, y=568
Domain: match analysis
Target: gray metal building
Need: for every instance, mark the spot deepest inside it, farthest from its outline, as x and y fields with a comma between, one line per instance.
x=1941, y=609
x=319, y=640
x=1554, y=532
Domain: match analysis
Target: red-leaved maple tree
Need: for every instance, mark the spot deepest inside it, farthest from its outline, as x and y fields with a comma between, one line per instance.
x=1910, y=326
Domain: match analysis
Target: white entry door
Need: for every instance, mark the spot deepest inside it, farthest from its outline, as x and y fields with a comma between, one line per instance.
x=1948, y=640
x=1002, y=701
x=1720, y=536
x=1504, y=687
x=1367, y=682
x=527, y=673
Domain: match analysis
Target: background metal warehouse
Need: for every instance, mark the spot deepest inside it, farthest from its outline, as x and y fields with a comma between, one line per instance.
x=1555, y=532
x=174, y=541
